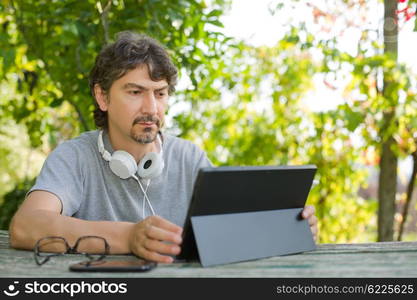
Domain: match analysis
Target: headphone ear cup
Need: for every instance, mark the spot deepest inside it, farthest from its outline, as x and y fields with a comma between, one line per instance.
x=123, y=164
x=151, y=165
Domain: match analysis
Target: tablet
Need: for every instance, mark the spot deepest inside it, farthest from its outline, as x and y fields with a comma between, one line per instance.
x=231, y=190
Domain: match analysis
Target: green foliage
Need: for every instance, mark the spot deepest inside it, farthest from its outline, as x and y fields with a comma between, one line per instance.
x=367, y=103
x=379, y=100
x=17, y=159
x=262, y=121
x=48, y=48
x=341, y=175
x=11, y=202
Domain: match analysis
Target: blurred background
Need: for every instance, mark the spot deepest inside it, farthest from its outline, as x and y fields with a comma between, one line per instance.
x=330, y=83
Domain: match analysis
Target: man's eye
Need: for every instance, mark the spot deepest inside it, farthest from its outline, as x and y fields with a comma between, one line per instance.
x=134, y=92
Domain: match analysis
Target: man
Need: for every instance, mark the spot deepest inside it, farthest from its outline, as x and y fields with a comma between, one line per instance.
x=79, y=191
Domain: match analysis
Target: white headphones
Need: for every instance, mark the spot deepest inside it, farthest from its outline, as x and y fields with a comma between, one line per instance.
x=124, y=165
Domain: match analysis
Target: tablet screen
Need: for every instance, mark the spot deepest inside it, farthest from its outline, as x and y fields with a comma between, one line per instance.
x=225, y=190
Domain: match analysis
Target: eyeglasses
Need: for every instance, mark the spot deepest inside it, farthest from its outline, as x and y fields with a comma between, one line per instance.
x=51, y=246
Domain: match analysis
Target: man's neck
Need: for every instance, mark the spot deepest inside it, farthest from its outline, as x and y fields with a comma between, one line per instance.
x=126, y=143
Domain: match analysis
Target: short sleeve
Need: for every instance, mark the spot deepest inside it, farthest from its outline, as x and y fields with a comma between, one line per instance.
x=202, y=162
x=62, y=175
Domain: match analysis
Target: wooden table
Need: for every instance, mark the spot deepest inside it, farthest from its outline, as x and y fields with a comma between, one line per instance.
x=388, y=259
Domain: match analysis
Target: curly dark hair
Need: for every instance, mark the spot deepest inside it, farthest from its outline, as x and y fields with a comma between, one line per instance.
x=128, y=52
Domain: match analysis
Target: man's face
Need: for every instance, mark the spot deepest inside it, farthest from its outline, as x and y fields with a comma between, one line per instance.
x=136, y=105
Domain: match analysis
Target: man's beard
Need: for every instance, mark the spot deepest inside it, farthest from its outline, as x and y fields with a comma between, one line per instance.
x=148, y=135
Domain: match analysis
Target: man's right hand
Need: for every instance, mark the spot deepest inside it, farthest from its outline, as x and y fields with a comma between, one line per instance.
x=154, y=237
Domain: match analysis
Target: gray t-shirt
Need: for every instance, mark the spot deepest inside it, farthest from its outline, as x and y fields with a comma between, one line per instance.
x=78, y=175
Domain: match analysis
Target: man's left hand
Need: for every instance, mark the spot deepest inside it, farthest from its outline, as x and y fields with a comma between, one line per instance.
x=308, y=213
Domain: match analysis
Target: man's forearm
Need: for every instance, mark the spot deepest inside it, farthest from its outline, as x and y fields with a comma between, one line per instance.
x=27, y=227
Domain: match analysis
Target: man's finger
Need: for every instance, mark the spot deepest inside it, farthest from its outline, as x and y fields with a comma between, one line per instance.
x=314, y=231
x=308, y=211
x=156, y=233
x=154, y=256
x=312, y=220
x=161, y=247
x=165, y=224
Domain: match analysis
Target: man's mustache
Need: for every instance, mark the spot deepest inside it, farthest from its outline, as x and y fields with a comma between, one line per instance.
x=147, y=119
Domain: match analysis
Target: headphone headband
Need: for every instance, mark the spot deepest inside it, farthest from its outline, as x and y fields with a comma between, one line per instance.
x=106, y=155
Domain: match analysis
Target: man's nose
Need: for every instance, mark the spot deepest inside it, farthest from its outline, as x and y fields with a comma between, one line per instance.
x=149, y=104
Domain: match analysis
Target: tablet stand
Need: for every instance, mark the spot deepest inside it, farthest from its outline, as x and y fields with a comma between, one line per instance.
x=234, y=237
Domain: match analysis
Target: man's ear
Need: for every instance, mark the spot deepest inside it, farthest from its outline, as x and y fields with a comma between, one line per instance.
x=101, y=97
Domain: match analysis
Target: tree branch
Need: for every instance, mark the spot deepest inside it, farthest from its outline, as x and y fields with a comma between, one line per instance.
x=410, y=190
x=40, y=55
x=105, y=22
